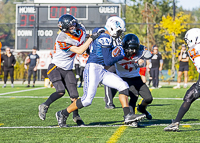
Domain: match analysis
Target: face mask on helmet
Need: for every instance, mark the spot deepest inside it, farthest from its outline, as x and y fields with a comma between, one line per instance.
x=68, y=23
x=192, y=37
x=130, y=44
x=115, y=26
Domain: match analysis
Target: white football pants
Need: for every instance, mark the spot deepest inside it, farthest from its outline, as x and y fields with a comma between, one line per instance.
x=93, y=75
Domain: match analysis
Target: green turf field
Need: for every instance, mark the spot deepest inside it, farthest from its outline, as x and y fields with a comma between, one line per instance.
x=19, y=121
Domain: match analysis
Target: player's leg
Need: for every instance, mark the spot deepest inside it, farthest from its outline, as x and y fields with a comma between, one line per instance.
x=109, y=95
x=145, y=93
x=153, y=77
x=189, y=98
x=57, y=82
x=81, y=76
x=110, y=92
x=123, y=88
x=70, y=85
x=77, y=71
x=92, y=76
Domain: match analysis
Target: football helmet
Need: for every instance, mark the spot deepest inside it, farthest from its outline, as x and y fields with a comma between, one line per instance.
x=67, y=21
x=131, y=44
x=115, y=26
x=192, y=37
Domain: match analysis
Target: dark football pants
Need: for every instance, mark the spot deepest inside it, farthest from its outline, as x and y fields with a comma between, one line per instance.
x=30, y=72
x=6, y=71
x=63, y=79
x=155, y=76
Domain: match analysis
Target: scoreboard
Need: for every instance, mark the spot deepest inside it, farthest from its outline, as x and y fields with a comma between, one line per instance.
x=36, y=24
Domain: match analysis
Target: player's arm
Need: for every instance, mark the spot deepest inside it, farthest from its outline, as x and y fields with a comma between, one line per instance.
x=83, y=47
x=107, y=55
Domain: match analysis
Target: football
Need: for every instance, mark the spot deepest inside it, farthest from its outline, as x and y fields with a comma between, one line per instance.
x=116, y=51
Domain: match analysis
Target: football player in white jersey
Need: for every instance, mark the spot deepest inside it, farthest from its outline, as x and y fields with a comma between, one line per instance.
x=69, y=42
x=192, y=39
x=94, y=73
x=128, y=69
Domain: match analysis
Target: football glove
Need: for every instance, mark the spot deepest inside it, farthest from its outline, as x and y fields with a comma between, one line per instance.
x=97, y=34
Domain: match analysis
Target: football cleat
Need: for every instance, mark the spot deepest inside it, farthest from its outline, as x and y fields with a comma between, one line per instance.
x=131, y=117
x=79, y=121
x=134, y=124
x=144, y=111
x=61, y=119
x=110, y=107
x=174, y=126
x=42, y=111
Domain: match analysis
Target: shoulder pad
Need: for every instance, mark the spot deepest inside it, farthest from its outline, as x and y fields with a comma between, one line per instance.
x=105, y=40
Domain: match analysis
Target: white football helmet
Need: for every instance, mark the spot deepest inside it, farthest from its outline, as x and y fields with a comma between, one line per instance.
x=115, y=26
x=192, y=37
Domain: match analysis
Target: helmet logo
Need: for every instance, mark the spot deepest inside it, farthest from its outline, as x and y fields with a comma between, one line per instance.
x=117, y=24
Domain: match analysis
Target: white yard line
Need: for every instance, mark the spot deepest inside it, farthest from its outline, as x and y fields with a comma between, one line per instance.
x=69, y=97
x=91, y=126
x=22, y=91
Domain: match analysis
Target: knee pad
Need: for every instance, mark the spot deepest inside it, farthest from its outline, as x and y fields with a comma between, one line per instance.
x=190, y=95
x=79, y=103
x=148, y=100
x=61, y=92
x=125, y=92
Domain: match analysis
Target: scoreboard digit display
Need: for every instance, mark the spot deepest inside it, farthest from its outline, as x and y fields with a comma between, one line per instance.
x=36, y=24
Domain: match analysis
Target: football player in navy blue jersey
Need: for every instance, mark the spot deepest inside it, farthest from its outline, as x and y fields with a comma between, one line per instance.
x=94, y=73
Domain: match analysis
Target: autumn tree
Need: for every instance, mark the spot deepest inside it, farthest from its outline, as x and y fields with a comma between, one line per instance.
x=171, y=28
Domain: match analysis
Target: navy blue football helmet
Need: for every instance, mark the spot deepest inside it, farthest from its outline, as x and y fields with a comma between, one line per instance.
x=66, y=21
x=131, y=44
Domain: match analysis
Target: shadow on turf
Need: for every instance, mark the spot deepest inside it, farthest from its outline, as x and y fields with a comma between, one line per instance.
x=161, y=121
x=106, y=123
x=160, y=104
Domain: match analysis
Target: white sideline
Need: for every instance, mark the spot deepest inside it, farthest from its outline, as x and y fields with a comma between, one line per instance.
x=88, y=126
x=22, y=91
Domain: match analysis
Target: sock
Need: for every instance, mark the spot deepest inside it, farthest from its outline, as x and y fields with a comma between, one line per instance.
x=4, y=85
x=185, y=84
x=64, y=112
x=126, y=110
x=178, y=84
x=53, y=97
x=75, y=113
x=183, y=109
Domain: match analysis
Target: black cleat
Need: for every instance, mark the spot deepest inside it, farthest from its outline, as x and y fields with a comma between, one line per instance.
x=42, y=111
x=144, y=111
x=79, y=121
x=61, y=119
x=131, y=117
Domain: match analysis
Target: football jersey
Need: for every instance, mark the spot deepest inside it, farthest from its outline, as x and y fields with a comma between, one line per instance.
x=194, y=54
x=63, y=57
x=127, y=67
x=103, y=41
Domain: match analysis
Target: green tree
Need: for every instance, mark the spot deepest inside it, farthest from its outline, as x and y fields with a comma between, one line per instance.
x=171, y=28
